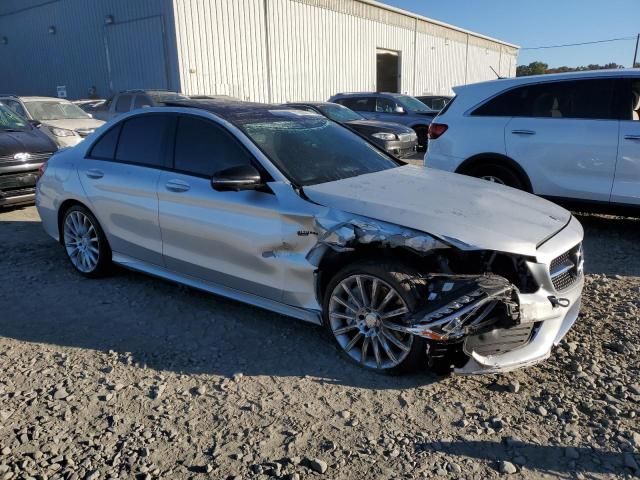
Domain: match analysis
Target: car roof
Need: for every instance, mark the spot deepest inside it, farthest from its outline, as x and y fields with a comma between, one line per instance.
x=235, y=111
x=504, y=83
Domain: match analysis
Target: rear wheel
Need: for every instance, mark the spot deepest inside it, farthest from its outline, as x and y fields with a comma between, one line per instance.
x=497, y=173
x=363, y=306
x=85, y=242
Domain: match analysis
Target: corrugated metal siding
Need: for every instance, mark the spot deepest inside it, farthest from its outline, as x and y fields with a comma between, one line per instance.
x=261, y=50
x=290, y=50
x=35, y=61
x=221, y=47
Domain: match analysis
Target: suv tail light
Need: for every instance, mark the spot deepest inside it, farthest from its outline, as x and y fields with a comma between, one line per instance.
x=436, y=130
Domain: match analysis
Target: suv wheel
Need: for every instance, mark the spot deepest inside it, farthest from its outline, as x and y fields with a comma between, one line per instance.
x=423, y=137
x=85, y=242
x=363, y=305
x=498, y=174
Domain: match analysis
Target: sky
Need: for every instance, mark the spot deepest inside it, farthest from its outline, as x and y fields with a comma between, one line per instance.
x=533, y=23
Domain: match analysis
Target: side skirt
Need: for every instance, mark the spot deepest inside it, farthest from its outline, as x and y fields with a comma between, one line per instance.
x=311, y=316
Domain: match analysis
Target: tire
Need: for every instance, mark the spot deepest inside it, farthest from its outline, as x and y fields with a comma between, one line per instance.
x=423, y=137
x=353, y=321
x=85, y=243
x=497, y=173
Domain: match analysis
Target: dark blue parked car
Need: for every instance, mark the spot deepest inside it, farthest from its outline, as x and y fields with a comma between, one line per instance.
x=391, y=107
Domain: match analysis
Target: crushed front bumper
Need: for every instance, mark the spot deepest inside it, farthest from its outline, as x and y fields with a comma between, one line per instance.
x=554, y=325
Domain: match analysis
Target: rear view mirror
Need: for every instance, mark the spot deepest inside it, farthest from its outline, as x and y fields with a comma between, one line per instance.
x=35, y=123
x=241, y=177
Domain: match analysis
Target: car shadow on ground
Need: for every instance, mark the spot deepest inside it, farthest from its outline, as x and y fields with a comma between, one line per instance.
x=612, y=244
x=549, y=459
x=161, y=325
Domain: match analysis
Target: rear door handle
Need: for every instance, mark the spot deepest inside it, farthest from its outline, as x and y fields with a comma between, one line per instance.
x=177, y=186
x=94, y=173
x=632, y=137
x=523, y=132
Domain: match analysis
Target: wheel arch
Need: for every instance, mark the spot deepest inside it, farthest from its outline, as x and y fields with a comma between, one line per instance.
x=62, y=209
x=332, y=262
x=498, y=159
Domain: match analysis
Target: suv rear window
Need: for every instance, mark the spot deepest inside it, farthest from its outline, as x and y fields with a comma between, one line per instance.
x=583, y=99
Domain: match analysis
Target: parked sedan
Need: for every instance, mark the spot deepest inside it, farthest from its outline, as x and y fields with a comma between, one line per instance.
x=23, y=149
x=65, y=123
x=294, y=213
x=396, y=139
x=391, y=107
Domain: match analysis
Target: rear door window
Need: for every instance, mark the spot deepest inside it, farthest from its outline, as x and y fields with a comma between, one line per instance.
x=123, y=104
x=142, y=140
x=203, y=148
x=359, y=104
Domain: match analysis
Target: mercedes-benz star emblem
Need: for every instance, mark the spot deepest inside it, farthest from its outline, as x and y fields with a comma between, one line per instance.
x=23, y=157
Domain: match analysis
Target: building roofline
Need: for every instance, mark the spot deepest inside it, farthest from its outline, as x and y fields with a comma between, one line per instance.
x=407, y=13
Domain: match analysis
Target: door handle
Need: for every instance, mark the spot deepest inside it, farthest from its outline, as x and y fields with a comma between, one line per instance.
x=94, y=173
x=177, y=186
x=523, y=132
x=632, y=137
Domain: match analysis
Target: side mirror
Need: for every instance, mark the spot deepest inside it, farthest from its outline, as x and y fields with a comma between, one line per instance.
x=399, y=109
x=241, y=177
x=35, y=123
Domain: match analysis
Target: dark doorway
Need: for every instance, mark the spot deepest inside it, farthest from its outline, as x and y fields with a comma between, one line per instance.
x=387, y=71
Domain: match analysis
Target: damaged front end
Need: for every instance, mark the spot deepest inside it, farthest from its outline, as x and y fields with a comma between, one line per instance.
x=463, y=305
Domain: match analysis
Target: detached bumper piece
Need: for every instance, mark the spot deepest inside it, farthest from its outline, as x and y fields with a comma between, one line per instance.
x=460, y=306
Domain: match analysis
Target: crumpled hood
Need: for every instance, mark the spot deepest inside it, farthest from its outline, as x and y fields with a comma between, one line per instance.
x=466, y=212
x=75, y=123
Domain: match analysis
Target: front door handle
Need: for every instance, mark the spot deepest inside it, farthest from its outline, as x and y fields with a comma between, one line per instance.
x=95, y=173
x=523, y=132
x=632, y=137
x=177, y=186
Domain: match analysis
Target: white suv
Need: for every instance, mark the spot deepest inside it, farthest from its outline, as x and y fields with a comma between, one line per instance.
x=574, y=138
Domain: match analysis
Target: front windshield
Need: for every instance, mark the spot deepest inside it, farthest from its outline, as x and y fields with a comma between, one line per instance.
x=163, y=97
x=310, y=149
x=339, y=113
x=54, y=110
x=11, y=121
x=412, y=104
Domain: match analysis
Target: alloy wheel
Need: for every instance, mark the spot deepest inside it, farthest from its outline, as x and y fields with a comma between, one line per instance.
x=363, y=314
x=81, y=241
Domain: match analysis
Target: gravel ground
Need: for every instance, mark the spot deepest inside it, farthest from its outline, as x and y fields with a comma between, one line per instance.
x=132, y=377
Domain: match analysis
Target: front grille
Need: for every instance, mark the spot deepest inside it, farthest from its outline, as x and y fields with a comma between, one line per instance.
x=37, y=157
x=499, y=341
x=566, y=269
x=18, y=181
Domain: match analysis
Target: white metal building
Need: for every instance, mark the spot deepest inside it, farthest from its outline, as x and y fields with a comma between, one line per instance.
x=261, y=50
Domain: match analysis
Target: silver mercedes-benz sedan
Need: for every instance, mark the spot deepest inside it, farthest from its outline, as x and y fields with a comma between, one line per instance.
x=286, y=210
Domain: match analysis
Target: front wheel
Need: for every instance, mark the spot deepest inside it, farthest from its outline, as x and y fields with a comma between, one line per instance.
x=363, y=306
x=85, y=242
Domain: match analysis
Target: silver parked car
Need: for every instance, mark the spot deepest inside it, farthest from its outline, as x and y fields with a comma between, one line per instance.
x=289, y=211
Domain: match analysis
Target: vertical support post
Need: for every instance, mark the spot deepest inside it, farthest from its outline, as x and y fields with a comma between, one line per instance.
x=635, y=55
x=267, y=48
x=415, y=60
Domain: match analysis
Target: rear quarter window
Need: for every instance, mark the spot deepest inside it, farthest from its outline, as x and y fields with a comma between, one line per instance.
x=105, y=147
